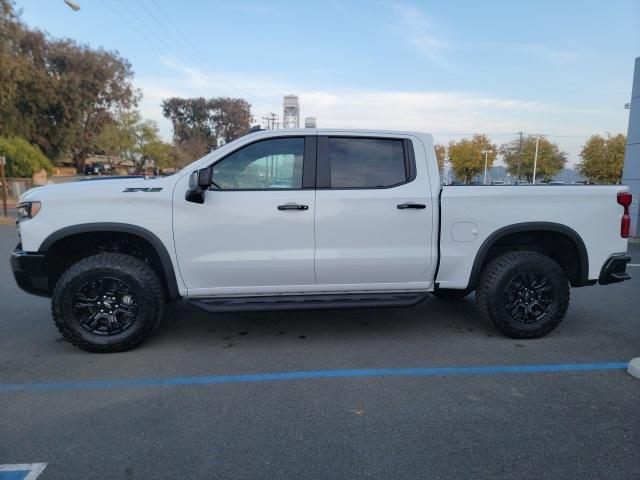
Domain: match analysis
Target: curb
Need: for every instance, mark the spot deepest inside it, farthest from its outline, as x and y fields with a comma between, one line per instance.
x=633, y=368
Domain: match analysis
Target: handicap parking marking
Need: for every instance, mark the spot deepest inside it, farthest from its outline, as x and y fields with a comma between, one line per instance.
x=21, y=471
x=307, y=375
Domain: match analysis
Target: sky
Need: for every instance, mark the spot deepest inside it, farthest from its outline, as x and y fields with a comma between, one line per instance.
x=559, y=68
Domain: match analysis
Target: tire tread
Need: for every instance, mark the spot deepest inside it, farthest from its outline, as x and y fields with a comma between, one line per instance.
x=487, y=288
x=153, y=291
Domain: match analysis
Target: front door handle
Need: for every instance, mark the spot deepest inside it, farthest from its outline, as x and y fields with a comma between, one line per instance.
x=418, y=206
x=292, y=206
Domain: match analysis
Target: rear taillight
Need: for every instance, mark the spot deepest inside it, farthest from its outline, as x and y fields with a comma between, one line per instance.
x=624, y=199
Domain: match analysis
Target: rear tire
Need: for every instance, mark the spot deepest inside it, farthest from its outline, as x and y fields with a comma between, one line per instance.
x=523, y=294
x=110, y=302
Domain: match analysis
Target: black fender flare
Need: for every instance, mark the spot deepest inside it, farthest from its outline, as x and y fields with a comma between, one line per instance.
x=526, y=227
x=107, y=227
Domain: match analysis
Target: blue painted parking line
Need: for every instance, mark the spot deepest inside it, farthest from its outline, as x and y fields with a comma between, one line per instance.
x=314, y=374
x=22, y=471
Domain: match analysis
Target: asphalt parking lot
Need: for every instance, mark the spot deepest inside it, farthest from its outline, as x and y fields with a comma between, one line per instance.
x=144, y=414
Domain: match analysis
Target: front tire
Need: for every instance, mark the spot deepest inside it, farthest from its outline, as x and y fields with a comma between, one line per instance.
x=110, y=302
x=523, y=294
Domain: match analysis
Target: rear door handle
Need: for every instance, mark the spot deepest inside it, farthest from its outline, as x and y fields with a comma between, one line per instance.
x=292, y=206
x=418, y=206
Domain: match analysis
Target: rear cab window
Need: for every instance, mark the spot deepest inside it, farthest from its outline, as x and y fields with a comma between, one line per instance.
x=362, y=162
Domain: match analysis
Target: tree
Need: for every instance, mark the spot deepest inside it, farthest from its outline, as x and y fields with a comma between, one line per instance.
x=190, y=118
x=58, y=93
x=441, y=153
x=10, y=34
x=190, y=150
x=466, y=157
x=23, y=159
x=550, y=158
x=113, y=140
x=231, y=117
x=199, y=121
x=151, y=148
x=603, y=158
x=134, y=139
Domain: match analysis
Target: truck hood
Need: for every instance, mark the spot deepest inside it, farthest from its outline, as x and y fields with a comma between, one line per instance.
x=99, y=187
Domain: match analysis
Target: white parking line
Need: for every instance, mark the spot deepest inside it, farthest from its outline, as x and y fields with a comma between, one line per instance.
x=34, y=469
x=633, y=264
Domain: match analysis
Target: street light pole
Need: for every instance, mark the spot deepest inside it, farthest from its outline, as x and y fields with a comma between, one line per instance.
x=535, y=160
x=486, y=155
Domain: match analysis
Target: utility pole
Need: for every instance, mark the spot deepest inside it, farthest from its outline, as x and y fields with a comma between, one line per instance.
x=270, y=121
x=519, y=158
x=3, y=179
x=535, y=160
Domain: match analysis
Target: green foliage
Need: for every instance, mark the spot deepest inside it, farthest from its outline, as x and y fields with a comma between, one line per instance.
x=466, y=157
x=603, y=158
x=201, y=121
x=128, y=136
x=23, y=159
x=441, y=153
x=160, y=152
x=57, y=93
x=551, y=160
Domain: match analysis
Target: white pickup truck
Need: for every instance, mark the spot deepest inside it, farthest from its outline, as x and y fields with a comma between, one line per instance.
x=297, y=219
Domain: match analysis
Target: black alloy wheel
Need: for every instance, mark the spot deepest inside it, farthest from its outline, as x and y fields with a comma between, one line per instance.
x=529, y=297
x=105, y=306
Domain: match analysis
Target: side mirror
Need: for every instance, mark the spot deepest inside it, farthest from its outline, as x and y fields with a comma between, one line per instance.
x=199, y=182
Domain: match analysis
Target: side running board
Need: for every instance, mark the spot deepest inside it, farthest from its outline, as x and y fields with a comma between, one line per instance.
x=307, y=302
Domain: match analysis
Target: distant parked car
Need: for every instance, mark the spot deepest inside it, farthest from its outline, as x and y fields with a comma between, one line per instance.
x=522, y=182
x=556, y=182
x=497, y=182
x=96, y=168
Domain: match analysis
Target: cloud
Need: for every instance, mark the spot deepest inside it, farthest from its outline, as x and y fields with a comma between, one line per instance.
x=544, y=52
x=454, y=112
x=446, y=114
x=424, y=35
x=420, y=33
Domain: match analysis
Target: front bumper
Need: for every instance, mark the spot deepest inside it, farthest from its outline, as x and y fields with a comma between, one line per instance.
x=28, y=270
x=614, y=270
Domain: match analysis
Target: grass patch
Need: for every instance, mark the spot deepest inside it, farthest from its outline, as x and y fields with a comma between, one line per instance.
x=7, y=221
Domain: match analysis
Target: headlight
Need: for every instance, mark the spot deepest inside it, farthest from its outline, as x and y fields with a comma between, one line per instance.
x=28, y=209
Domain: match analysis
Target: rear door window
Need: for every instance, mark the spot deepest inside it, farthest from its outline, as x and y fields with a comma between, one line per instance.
x=366, y=162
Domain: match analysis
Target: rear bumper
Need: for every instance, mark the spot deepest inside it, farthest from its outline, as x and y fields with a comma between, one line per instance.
x=614, y=270
x=28, y=270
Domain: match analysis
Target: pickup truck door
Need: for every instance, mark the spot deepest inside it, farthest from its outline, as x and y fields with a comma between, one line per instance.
x=254, y=233
x=374, y=216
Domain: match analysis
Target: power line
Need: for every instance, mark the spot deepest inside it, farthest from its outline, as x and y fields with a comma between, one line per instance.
x=186, y=51
x=166, y=49
x=190, y=44
x=144, y=24
x=142, y=34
